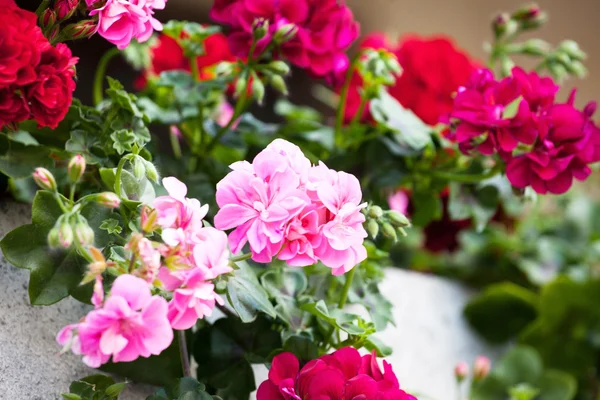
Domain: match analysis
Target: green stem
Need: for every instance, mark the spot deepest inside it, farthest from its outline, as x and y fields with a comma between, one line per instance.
x=72, y=193
x=464, y=178
x=175, y=145
x=241, y=257
x=60, y=203
x=240, y=107
x=183, y=352
x=194, y=69
x=347, y=285
x=118, y=175
x=101, y=72
x=43, y=5
x=339, y=118
x=361, y=109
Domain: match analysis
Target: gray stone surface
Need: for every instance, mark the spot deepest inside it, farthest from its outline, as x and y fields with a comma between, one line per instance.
x=429, y=339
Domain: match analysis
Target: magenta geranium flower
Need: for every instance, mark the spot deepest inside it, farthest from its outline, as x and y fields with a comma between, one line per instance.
x=324, y=30
x=131, y=323
x=343, y=375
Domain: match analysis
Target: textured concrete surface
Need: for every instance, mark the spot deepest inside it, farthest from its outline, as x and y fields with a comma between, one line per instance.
x=429, y=339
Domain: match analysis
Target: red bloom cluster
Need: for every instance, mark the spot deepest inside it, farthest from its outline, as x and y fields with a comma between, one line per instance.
x=36, y=79
x=325, y=30
x=544, y=144
x=433, y=70
x=167, y=55
x=343, y=375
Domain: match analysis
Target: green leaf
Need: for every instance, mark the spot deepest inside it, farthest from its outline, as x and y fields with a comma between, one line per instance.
x=501, y=311
x=23, y=137
x=115, y=390
x=20, y=161
x=247, y=296
x=428, y=207
x=54, y=273
x=286, y=282
x=337, y=318
x=227, y=348
x=111, y=226
x=123, y=140
x=511, y=109
x=490, y=388
x=138, y=54
x=302, y=346
x=410, y=130
x=522, y=364
x=523, y=391
x=557, y=385
x=82, y=142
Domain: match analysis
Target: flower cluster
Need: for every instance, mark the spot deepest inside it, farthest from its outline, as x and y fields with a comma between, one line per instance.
x=193, y=256
x=322, y=30
x=544, y=144
x=36, y=79
x=284, y=207
x=120, y=21
x=131, y=323
x=343, y=375
x=167, y=55
x=433, y=70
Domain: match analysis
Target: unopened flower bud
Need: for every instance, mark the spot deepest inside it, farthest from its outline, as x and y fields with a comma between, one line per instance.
x=151, y=172
x=47, y=19
x=506, y=65
x=76, y=168
x=375, y=212
x=65, y=234
x=175, y=131
x=373, y=228
x=53, y=238
x=109, y=200
x=577, y=68
x=389, y=231
x=571, y=48
x=260, y=27
x=80, y=30
x=65, y=8
x=278, y=83
x=558, y=70
x=392, y=64
x=482, y=367
x=83, y=233
x=527, y=12
x=258, y=90
x=461, y=371
x=44, y=179
x=536, y=47
x=398, y=219
x=224, y=68
x=285, y=33
x=279, y=67
x=240, y=86
x=504, y=25
x=139, y=169
x=148, y=219
x=97, y=267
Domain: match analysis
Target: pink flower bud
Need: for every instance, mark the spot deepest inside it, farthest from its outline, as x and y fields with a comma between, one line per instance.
x=284, y=33
x=461, y=371
x=482, y=367
x=83, y=233
x=65, y=234
x=175, y=131
x=48, y=18
x=260, y=28
x=81, y=30
x=109, y=200
x=76, y=168
x=44, y=179
x=65, y=8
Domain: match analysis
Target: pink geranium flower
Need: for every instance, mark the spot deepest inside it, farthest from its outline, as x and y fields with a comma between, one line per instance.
x=176, y=211
x=258, y=200
x=343, y=375
x=120, y=21
x=130, y=324
x=194, y=296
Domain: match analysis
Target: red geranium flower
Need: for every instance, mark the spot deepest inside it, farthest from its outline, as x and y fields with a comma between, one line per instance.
x=343, y=375
x=433, y=70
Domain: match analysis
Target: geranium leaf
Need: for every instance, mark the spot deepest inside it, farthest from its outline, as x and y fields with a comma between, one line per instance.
x=247, y=296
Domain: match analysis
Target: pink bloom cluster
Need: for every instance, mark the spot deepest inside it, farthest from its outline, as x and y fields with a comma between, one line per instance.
x=194, y=255
x=343, y=375
x=130, y=323
x=120, y=21
x=284, y=207
x=324, y=30
x=544, y=144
